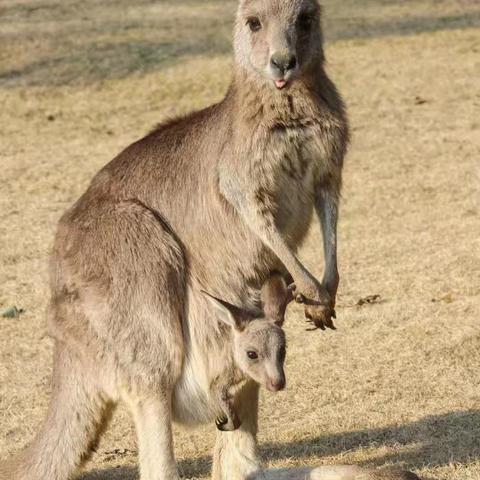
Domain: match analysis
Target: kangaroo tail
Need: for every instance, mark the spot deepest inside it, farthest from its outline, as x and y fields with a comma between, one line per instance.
x=76, y=413
x=357, y=473
x=333, y=472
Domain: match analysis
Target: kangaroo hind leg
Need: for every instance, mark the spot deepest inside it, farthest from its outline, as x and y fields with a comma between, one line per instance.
x=153, y=421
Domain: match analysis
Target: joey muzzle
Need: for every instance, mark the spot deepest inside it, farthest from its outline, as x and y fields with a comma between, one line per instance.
x=276, y=384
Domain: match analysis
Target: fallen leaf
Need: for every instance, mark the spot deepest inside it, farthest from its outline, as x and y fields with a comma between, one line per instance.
x=419, y=100
x=369, y=300
x=446, y=298
x=119, y=452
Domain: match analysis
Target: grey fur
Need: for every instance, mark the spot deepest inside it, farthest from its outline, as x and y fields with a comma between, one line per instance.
x=215, y=201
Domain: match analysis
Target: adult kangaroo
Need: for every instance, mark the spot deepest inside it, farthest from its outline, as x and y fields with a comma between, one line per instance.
x=214, y=201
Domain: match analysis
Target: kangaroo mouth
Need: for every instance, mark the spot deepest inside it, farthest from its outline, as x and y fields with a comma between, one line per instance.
x=281, y=84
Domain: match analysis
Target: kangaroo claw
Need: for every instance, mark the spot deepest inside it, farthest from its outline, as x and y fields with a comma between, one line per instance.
x=320, y=316
x=225, y=424
x=220, y=422
x=300, y=298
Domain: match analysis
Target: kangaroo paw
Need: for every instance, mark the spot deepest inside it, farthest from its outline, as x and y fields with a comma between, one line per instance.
x=225, y=424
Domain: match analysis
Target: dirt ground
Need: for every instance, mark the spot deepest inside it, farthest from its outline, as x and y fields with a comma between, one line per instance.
x=398, y=383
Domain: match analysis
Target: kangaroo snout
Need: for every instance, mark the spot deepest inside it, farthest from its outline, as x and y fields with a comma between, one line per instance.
x=276, y=385
x=281, y=63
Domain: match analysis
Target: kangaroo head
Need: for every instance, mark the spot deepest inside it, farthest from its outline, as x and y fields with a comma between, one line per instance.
x=278, y=40
x=259, y=343
x=259, y=351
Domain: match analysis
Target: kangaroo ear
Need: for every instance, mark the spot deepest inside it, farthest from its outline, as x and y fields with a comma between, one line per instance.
x=275, y=297
x=232, y=315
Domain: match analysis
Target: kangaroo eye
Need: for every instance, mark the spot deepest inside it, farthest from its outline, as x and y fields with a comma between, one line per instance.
x=254, y=24
x=252, y=355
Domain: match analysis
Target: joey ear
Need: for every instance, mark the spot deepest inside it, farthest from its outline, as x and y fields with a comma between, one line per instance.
x=229, y=314
x=275, y=297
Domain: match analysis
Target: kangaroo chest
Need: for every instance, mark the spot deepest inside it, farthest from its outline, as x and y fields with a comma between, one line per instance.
x=286, y=174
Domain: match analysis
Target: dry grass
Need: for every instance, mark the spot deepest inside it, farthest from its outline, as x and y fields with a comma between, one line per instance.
x=398, y=383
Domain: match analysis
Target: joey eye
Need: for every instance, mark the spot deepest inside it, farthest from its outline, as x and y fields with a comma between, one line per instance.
x=305, y=22
x=252, y=355
x=254, y=24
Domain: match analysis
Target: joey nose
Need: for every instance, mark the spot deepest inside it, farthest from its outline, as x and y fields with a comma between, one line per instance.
x=277, y=385
x=283, y=63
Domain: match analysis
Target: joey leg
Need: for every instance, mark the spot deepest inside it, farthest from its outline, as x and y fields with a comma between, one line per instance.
x=235, y=454
x=227, y=424
x=229, y=421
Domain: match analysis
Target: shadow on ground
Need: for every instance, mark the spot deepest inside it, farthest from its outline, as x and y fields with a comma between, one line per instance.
x=434, y=441
x=68, y=44
x=188, y=468
x=363, y=28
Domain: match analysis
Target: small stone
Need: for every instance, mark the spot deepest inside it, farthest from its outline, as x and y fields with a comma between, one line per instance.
x=12, y=312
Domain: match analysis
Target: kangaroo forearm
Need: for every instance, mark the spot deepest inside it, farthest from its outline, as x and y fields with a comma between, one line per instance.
x=301, y=276
x=260, y=220
x=263, y=225
x=327, y=210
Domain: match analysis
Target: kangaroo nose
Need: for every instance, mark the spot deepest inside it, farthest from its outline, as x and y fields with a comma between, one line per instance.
x=277, y=385
x=283, y=63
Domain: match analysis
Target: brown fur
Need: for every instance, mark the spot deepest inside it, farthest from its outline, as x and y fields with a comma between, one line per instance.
x=214, y=201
